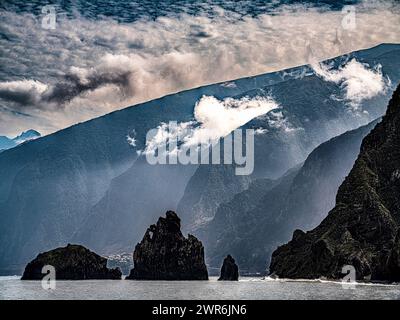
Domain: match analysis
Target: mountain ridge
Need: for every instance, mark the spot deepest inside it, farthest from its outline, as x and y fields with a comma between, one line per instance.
x=50, y=186
x=8, y=143
x=257, y=220
x=363, y=228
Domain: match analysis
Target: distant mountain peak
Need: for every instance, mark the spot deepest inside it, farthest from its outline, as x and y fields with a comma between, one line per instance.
x=8, y=143
x=27, y=135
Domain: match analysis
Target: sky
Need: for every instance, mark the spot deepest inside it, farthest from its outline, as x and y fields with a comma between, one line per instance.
x=98, y=57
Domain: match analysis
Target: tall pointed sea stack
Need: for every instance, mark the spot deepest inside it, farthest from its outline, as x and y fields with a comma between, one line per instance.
x=363, y=229
x=165, y=254
x=229, y=270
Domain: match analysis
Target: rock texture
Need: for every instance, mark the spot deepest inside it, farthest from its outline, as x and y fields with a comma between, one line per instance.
x=165, y=254
x=363, y=228
x=229, y=269
x=257, y=220
x=74, y=262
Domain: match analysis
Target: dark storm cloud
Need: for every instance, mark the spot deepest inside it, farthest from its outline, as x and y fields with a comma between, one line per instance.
x=72, y=86
x=25, y=94
x=20, y=97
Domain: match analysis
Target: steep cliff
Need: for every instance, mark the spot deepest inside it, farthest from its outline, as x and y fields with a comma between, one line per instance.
x=363, y=228
x=257, y=220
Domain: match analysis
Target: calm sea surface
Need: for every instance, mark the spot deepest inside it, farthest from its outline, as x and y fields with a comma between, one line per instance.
x=246, y=288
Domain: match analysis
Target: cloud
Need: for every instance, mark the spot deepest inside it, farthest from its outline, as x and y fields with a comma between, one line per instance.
x=277, y=120
x=131, y=138
x=260, y=131
x=111, y=70
x=219, y=118
x=213, y=119
x=91, y=67
x=358, y=80
x=23, y=92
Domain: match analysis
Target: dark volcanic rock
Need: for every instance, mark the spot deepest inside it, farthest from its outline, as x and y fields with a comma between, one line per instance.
x=363, y=229
x=257, y=220
x=165, y=254
x=74, y=262
x=229, y=270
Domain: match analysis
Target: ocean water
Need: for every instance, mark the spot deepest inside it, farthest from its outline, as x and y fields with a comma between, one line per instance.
x=246, y=288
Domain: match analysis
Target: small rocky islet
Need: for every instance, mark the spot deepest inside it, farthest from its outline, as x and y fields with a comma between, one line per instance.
x=229, y=270
x=163, y=254
x=73, y=262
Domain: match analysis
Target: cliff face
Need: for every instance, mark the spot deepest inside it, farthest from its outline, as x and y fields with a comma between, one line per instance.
x=257, y=220
x=73, y=262
x=165, y=254
x=363, y=228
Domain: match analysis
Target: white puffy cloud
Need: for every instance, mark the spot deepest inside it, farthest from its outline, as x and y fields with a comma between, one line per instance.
x=358, y=80
x=131, y=138
x=260, y=131
x=219, y=118
x=277, y=120
x=213, y=119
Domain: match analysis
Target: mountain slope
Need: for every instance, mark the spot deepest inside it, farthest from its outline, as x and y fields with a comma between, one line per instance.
x=56, y=180
x=307, y=118
x=309, y=115
x=363, y=228
x=258, y=219
x=85, y=181
x=49, y=186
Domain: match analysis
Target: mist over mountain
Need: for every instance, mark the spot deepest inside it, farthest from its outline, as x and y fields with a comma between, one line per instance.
x=305, y=119
x=362, y=230
x=257, y=220
x=8, y=143
x=311, y=113
x=49, y=186
x=88, y=183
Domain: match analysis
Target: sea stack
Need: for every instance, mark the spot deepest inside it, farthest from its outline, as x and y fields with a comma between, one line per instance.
x=363, y=229
x=73, y=262
x=165, y=254
x=229, y=270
